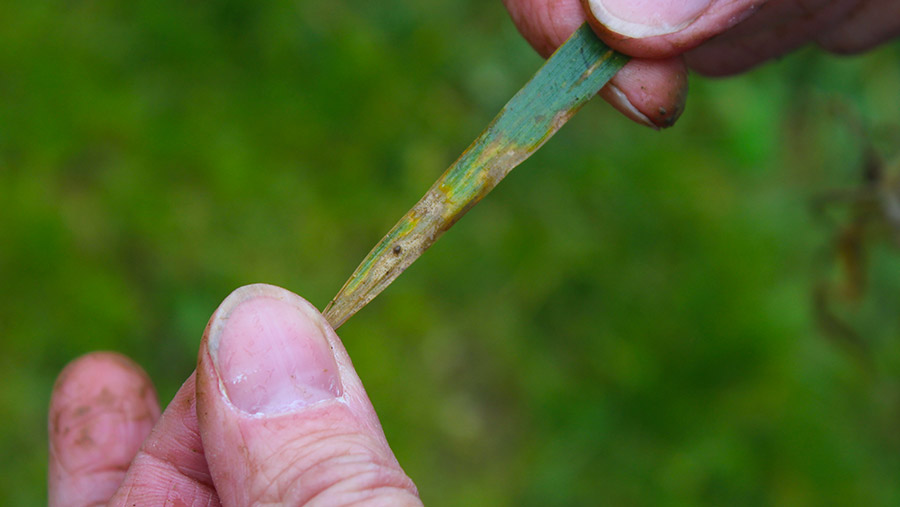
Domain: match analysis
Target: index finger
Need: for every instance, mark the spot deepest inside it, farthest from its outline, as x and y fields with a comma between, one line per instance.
x=103, y=406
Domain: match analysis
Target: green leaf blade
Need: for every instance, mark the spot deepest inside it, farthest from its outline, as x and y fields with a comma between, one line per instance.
x=567, y=81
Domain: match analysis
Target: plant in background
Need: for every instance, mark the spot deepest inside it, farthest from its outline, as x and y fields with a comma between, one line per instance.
x=865, y=224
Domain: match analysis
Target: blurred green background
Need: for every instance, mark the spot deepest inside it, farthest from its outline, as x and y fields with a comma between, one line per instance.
x=629, y=319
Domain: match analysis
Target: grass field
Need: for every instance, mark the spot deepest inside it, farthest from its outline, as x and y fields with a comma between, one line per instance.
x=630, y=318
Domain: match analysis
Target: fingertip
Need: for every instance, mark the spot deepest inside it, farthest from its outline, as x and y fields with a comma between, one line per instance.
x=650, y=92
x=102, y=407
x=663, y=29
x=637, y=19
x=277, y=397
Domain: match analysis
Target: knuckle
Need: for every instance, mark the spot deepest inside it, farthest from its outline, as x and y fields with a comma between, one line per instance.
x=331, y=469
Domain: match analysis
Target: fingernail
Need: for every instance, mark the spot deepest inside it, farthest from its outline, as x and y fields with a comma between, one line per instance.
x=617, y=98
x=270, y=351
x=647, y=18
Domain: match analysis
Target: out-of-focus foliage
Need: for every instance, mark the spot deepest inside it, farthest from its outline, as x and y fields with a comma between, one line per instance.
x=629, y=318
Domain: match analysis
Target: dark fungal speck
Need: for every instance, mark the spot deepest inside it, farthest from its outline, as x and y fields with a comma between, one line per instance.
x=397, y=249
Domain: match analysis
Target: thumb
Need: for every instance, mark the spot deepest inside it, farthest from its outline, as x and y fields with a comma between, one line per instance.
x=283, y=416
x=664, y=28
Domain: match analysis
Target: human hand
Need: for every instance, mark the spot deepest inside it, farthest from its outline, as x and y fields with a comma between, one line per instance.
x=274, y=413
x=713, y=37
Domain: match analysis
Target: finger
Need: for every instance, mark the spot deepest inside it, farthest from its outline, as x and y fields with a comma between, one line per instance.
x=777, y=28
x=283, y=416
x=650, y=92
x=546, y=24
x=663, y=28
x=102, y=407
x=871, y=23
x=170, y=468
